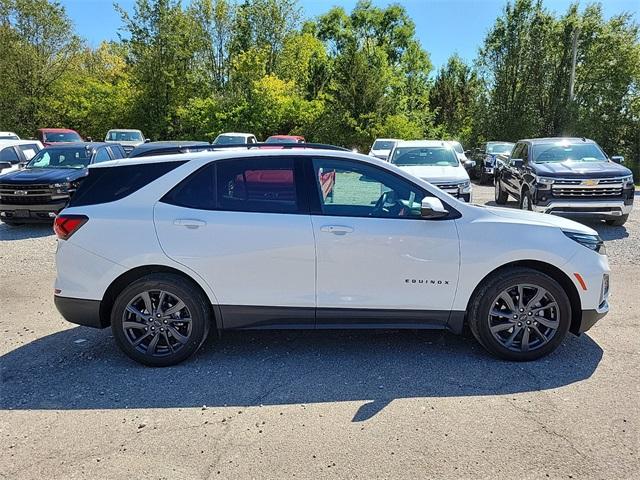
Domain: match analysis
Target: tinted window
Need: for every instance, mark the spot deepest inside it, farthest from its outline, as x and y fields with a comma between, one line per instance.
x=358, y=190
x=113, y=183
x=52, y=137
x=9, y=155
x=517, y=152
x=29, y=151
x=457, y=147
x=78, y=157
x=433, y=156
x=563, y=152
x=229, y=139
x=195, y=191
x=118, y=136
x=499, y=148
x=383, y=145
x=257, y=185
x=102, y=155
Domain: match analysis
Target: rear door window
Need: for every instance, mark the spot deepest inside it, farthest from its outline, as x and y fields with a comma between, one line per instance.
x=102, y=155
x=266, y=184
x=196, y=191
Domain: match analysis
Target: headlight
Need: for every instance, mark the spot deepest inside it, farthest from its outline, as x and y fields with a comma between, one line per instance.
x=544, y=180
x=592, y=242
x=627, y=181
x=464, y=186
x=60, y=188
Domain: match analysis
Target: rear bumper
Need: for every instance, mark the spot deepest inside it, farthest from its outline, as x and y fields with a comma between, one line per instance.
x=80, y=311
x=603, y=209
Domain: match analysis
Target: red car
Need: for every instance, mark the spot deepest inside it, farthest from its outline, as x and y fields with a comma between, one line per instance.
x=284, y=139
x=49, y=136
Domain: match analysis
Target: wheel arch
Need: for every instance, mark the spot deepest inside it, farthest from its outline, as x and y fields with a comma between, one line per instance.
x=125, y=279
x=552, y=271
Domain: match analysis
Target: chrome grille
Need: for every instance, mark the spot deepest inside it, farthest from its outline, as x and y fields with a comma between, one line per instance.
x=589, y=188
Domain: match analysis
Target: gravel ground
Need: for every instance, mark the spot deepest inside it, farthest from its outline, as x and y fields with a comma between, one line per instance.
x=312, y=404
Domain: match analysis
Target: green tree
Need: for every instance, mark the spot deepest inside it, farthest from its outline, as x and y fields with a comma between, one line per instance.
x=38, y=45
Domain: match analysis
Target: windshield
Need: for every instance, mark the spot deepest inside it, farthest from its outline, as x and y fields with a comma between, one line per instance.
x=52, y=137
x=229, y=139
x=577, y=152
x=281, y=140
x=61, y=158
x=383, y=145
x=116, y=136
x=457, y=147
x=499, y=148
x=431, y=156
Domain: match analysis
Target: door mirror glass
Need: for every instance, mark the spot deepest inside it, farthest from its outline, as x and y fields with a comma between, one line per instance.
x=517, y=162
x=432, y=207
x=4, y=165
x=617, y=159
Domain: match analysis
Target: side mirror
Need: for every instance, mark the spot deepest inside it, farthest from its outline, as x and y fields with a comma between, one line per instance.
x=147, y=140
x=469, y=164
x=4, y=165
x=517, y=162
x=89, y=139
x=617, y=159
x=432, y=207
x=468, y=152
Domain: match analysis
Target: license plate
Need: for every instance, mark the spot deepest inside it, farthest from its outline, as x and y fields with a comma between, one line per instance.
x=21, y=214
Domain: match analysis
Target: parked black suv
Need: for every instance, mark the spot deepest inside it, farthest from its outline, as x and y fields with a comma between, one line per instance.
x=485, y=157
x=566, y=176
x=43, y=188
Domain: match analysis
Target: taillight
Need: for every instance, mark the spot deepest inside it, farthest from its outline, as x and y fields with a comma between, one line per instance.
x=66, y=225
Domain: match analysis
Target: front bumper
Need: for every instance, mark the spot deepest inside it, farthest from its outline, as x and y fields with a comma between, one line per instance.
x=590, y=317
x=31, y=213
x=80, y=311
x=595, y=209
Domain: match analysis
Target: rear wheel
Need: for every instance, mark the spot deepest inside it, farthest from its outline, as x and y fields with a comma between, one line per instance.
x=520, y=314
x=160, y=320
x=501, y=196
x=618, y=222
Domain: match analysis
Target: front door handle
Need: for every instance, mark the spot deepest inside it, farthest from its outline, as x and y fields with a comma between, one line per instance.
x=336, y=229
x=189, y=222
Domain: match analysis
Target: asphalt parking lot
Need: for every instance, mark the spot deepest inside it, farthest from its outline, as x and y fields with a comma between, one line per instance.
x=313, y=404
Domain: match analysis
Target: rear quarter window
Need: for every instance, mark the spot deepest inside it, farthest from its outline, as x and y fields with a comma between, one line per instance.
x=104, y=185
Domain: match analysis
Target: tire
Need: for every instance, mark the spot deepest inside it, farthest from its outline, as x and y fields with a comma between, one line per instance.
x=526, y=201
x=176, y=339
x=618, y=221
x=501, y=196
x=489, y=298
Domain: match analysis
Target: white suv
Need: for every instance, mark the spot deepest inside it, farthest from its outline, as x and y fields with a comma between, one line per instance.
x=166, y=249
x=436, y=162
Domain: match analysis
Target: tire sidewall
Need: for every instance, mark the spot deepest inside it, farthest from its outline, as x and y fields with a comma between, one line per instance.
x=173, y=284
x=480, y=313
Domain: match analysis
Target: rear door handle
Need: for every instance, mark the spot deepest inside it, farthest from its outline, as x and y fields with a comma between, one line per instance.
x=189, y=222
x=336, y=229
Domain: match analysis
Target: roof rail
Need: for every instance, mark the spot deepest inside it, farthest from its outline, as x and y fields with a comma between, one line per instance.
x=173, y=149
x=319, y=146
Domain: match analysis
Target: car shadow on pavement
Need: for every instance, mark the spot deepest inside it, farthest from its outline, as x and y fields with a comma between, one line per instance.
x=82, y=368
x=23, y=232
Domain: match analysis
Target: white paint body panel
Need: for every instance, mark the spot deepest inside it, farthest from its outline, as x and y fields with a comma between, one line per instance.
x=284, y=260
x=262, y=259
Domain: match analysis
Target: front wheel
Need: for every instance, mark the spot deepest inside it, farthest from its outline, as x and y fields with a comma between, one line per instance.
x=526, y=203
x=501, y=196
x=618, y=221
x=160, y=320
x=520, y=314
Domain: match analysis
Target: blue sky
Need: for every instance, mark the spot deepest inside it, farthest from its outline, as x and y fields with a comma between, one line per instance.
x=443, y=26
